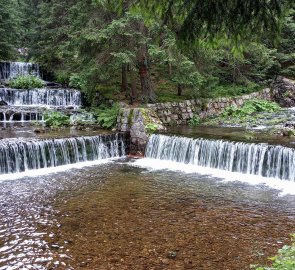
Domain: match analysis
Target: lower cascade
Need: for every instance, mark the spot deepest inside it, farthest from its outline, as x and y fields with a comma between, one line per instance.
x=248, y=158
x=23, y=155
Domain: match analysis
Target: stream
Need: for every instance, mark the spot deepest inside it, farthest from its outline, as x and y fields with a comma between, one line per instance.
x=202, y=198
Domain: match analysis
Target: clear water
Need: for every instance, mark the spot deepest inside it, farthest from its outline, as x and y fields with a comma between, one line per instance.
x=119, y=216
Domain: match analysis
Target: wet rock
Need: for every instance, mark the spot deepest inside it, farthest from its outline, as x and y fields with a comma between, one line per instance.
x=287, y=132
x=290, y=124
x=171, y=254
x=283, y=91
x=39, y=130
x=3, y=103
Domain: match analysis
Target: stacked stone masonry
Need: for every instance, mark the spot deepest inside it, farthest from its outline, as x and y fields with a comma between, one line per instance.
x=135, y=121
x=181, y=112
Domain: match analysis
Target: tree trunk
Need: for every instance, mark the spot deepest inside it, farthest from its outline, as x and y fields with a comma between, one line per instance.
x=124, y=84
x=133, y=92
x=179, y=89
x=170, y=68
x=143, y=65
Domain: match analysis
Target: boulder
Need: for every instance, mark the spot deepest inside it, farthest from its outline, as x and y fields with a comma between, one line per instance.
x=283, y=91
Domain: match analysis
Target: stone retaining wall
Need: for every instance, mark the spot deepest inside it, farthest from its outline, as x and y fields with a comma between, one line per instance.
x=181, y=112
x=136, y=121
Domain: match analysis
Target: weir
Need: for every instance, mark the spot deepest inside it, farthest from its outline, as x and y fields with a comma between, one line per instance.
x=20, y=115
x=41, y=97
x=22, y=155
x=10, y=70
x=24, y=105
x=247, y=158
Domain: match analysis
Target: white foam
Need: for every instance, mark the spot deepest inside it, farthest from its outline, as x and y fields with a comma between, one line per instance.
x=285, y=187
x=51, y=170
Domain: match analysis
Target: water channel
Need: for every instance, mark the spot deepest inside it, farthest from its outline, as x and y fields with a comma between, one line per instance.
x=75, y=200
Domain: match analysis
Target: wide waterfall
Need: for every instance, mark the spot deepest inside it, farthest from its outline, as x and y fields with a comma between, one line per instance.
x=32, y=154
x=40, y=97
x=10, y=70
x=248, y=158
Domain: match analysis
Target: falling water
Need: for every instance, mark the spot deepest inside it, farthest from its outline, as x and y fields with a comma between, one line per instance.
x=248, y=158
x=41, y=97
x=24, y=155
x=10, y=70
x=8, y=115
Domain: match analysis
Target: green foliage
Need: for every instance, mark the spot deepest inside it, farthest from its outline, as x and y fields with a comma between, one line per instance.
x=85, y=43
x=286, y=49
x=26, y=82
x=56, y=119
x=241, y=19
x=195, y=121
x=284, y=260
x=230, y=90
x=151, y=128
x=107, y=116
x=9, y=29
x=250, y=107
x=76, y=81
x=62, y=76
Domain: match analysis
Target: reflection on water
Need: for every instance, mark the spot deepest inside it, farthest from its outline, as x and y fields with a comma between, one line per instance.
x=116, y=216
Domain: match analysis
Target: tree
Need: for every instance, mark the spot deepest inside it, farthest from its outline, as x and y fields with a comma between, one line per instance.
x=286, y=49
x=9, y=29
x=240, y=19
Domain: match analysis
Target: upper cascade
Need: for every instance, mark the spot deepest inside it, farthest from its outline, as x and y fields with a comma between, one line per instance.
x=248, y=158
x=41, y=97
x=11, y=70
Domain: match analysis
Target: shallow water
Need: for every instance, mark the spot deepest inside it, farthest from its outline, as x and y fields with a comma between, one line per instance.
x=232, y=133
x=26, y=130
x=117, y=216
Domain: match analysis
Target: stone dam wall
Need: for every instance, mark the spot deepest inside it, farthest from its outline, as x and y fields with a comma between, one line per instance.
x=138, y=121
x=179, y=113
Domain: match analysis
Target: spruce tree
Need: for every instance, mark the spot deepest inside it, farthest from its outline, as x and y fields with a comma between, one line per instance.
x=9, y=29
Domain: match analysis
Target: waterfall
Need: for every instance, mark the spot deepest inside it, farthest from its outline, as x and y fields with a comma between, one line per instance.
x=8, y=115
x=40, y=97
x=248, y=158
x=10, y=70
x=23, y=155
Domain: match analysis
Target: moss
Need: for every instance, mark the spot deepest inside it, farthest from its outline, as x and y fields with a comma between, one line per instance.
x=130, y=117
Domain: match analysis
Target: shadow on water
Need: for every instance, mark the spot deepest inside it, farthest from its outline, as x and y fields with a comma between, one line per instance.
x=116, y=216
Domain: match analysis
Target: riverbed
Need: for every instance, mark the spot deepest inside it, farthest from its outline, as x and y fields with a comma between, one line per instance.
x=120, y=216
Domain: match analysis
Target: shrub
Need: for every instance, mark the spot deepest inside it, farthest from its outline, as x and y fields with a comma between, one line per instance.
x=250, y=107
x=26, y=82
x=107, y=116
x=76, y=81
x=62, y=77
x=151, y=128
x=56, y=119
x=284, y=260
x=195, y=121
